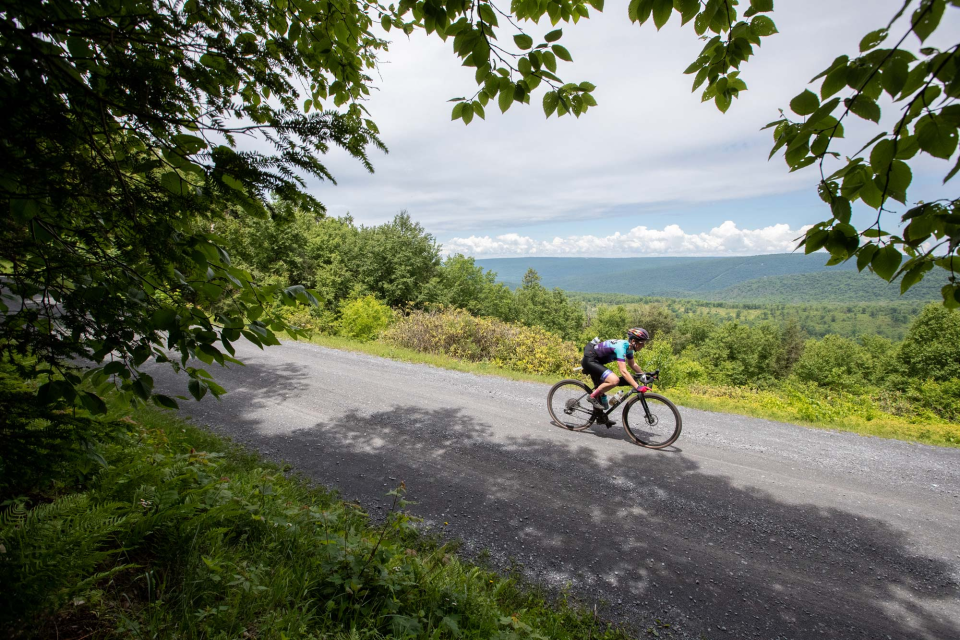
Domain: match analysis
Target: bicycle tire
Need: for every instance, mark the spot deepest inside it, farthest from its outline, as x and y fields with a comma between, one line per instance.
x=658, y=435
x=563, y=393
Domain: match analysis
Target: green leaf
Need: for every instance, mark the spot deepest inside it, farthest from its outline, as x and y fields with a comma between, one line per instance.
x=550, y=100
x=951, y=296
x=688, y=9
x=937, y=137
x=763, y=26
x=815, y=240
x=840, y=207
x=385, y=23
x=93, y=403
x=834, y=82
x=172, y=182
x=898, y=180
x=927, y=17
x=912, y=277
x=953, y=172
x=864, y=107
x=561, y=53
x=457, y=112
x=805, y=104
x=165, y=401
x=722, y=100
x=523, y=41
x=865, y=255
x=196, y=389
x=761, y=6
x=882, y=155
x=231, y=182
x=213, y=61
x=836, y=64
x=872, y=39
x=553, y=36
x=550, y=61
x=487, y=14
x=505, y=99
x=467, y=113
x=886, y=261
x=894, y=76
x=661, y=12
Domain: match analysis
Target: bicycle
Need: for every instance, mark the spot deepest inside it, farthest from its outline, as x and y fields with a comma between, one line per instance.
x=658, y=426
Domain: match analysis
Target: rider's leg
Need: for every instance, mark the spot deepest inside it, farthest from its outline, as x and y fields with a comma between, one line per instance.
x=610, y=380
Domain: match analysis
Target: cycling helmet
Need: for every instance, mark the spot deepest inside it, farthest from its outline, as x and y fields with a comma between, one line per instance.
x=638, y=333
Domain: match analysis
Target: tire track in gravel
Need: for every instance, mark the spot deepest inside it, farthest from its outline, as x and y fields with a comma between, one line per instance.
x=745, y=529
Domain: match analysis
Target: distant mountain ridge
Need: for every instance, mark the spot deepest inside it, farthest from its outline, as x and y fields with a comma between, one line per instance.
x=785, y=278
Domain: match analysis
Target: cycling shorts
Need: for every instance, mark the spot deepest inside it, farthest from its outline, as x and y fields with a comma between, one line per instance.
x=591, y=365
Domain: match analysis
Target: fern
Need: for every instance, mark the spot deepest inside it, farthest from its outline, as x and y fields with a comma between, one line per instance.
x=55, y=551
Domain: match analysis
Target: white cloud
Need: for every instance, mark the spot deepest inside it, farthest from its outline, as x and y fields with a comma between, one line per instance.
x=724, y=240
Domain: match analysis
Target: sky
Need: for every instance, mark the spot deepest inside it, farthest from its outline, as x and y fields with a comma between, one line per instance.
x=650, y=171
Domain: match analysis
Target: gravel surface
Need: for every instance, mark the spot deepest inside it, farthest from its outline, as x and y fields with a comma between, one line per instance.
x=746, y=528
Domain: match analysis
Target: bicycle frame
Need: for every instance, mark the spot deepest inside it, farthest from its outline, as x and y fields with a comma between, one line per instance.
x=633, y=392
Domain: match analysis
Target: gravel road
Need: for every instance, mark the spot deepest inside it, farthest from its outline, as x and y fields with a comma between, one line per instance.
x=745, y=529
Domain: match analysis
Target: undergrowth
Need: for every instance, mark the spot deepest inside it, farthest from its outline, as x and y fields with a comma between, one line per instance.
x=182, y=535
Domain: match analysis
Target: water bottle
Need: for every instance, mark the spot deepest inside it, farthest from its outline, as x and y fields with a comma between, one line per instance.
x=617, y=399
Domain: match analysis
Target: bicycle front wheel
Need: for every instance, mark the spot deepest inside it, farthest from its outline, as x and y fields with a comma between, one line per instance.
x=568, y=406
x=655, y=430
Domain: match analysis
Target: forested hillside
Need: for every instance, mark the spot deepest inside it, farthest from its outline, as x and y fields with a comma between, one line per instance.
x=890, y=320
x=791, y=278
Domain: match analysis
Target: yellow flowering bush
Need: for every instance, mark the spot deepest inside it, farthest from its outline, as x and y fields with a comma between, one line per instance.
x=456, y=333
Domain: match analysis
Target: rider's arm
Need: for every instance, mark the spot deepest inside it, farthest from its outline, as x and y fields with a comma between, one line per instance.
x=633, y=365
x=626, y=374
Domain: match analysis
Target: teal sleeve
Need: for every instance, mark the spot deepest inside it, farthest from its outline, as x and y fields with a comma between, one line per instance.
x=620, y=350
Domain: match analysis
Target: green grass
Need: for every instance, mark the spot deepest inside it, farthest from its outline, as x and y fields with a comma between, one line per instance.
x=806, y=406
x=185, y=536
x=819, y=409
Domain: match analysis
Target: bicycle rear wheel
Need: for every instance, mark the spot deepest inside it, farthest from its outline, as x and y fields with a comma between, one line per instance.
x=658, y=430
x=568, y=406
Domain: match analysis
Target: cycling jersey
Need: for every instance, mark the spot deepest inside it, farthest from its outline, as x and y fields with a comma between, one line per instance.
x=610, y=350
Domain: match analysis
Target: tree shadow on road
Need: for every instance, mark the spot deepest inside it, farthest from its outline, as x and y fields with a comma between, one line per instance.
x=647, y=531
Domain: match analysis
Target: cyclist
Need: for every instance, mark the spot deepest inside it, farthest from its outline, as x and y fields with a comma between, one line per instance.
x=598, y=354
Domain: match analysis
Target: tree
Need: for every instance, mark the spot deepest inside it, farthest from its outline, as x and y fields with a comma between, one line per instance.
x=655, y=318
x=931, y=348
x=122, y=152
x=538, y=307
x=394, y=260
x=461, y=283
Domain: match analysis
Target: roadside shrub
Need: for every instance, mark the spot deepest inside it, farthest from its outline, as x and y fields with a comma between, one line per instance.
x=941, y=399
x=304, y=317
x=456, y=333
x=364, y=318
